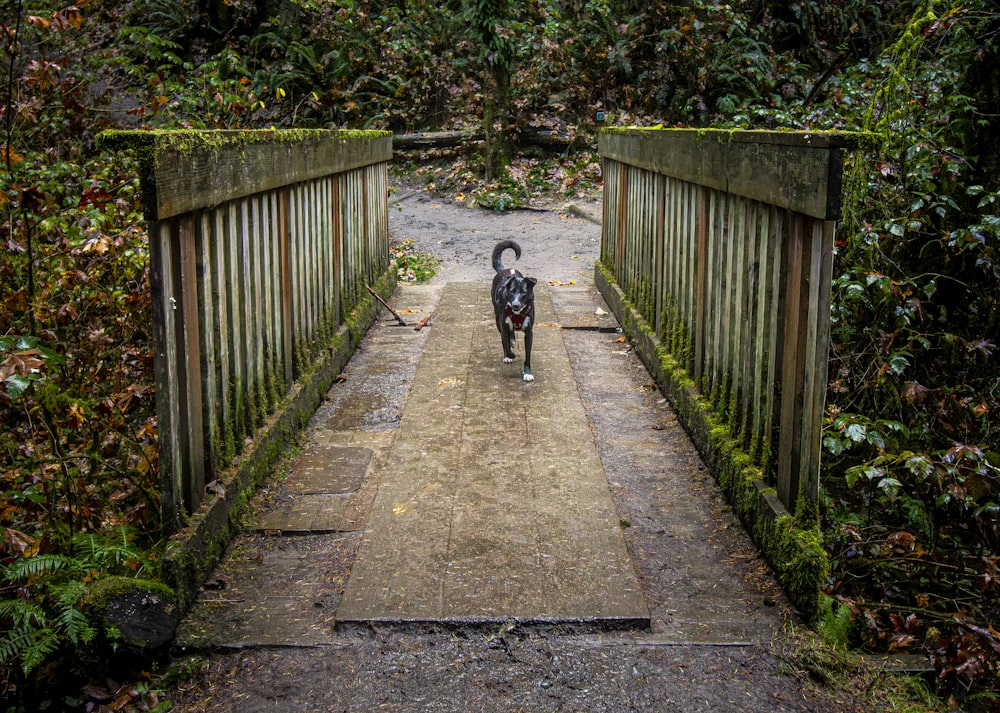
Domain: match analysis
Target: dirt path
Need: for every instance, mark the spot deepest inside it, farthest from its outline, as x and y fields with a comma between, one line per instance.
x=560, y=240
x=716, y=639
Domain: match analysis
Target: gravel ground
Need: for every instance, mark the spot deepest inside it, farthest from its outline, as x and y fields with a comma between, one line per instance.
x=696, y=657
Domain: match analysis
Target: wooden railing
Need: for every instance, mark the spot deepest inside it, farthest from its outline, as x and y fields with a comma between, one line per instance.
x=262, y=243
x=723, y=243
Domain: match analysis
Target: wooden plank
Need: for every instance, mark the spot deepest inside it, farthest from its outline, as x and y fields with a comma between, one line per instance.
x=741, y=278
x=776, y=327
x=237, y=425
x=663, y=261
x=760, y=356
x=700, y=327
x=248, y=356
x=287, y=316
x=257, y=249
x=750, y=364
x=270, y=291
x=817, y=351
x=621, y=230
x=381, y=205
x=294, y=276
x=336, y=248
x=161, y=283
x=222, y=258
x=798, y=170
x=728, y=278
x=717, y=295
x=207, y=314
x=199, y=169
x=689, y=242
x=190, y=427
x=792, y=370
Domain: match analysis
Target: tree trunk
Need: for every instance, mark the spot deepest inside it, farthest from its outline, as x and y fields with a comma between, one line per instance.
x=496, y=121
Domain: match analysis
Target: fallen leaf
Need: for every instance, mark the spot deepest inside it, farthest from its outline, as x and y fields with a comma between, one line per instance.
x=549, y=325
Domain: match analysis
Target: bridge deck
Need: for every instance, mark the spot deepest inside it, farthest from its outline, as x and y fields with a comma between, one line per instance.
x=493, y=503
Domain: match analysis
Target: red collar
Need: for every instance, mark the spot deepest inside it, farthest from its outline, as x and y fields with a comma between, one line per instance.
x=516, y=319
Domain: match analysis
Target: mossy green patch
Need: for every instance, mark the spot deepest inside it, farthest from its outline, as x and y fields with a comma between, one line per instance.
x=187, y=141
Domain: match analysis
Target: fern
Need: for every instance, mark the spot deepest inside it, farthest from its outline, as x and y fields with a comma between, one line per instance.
x=835, y=622
x=118, y=555
x=22, y=612
x=71, y=622
x=42, y=643
x=44, y=615
x=22, y=570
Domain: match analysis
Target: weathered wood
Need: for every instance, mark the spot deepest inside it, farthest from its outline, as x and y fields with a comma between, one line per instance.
x=800, y=171
x=726, y=238
x=251, y=237
x=183, y=171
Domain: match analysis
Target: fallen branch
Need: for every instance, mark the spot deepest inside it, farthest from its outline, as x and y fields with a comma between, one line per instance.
x=447, y=139
x=422, y=323
x=402, y=322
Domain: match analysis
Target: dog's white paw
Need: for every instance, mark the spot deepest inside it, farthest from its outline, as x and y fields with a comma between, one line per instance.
x=529, y=377
x=508, y=360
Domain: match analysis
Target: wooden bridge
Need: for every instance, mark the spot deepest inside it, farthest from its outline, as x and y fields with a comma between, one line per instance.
x=270, y=253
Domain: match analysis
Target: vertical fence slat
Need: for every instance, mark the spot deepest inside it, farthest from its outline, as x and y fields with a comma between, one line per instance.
x=189, y=362
x=208, y=310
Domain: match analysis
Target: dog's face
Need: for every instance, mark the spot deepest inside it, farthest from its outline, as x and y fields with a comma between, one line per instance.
x=520, y=293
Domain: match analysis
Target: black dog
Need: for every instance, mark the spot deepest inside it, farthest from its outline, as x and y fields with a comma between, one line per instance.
x=513, y=305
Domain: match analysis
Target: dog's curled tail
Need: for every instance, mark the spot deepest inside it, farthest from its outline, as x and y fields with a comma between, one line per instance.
x=498, y=250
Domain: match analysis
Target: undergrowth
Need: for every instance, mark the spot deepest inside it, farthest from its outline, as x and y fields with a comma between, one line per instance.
x=413, y=265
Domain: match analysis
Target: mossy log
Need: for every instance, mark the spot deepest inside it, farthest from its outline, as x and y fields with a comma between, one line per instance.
x=450, y=139
x=139, y=613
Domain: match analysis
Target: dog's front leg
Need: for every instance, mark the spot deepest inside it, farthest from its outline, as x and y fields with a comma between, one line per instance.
x=527, y=354
x=507, y=338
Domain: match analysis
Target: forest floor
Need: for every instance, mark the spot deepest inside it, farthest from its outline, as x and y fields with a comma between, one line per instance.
x=722, y=636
